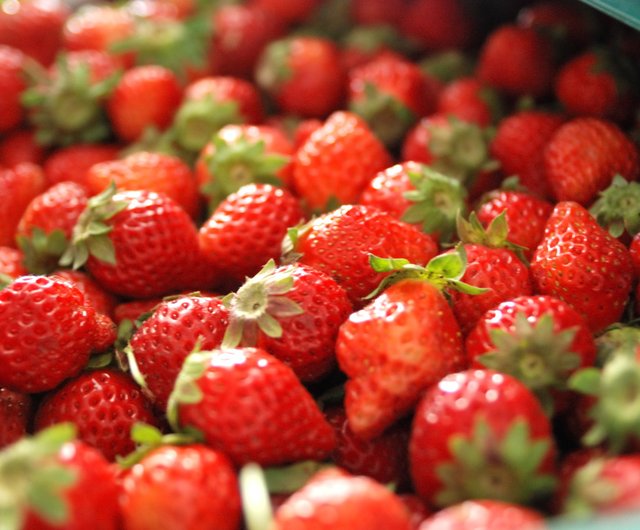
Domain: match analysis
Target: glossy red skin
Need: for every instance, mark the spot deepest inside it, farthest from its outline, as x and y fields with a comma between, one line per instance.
x=134, y=309
x=47, y=332
x=405, y=340
x=335, y=500
x=164, y=340
x=181, y=487
x=145, y=170
x=12, y=85
x=19, y=146
x=104, y=405
x=584, y=155
x=452, y=406
x=255, y=409
x=582, y=264
x=92, y=499
x=496, y=269
x=526, y=216
x=57, y=208
x=73, y=162
x=11, y=262
x=15, y=416
x=463, y=98
x=101, y=300
x=485, y=515
x=634, y=250
x=337, y=161
x=146, y=96
x=339, y=243
x=416, y=143
x=156, y=247
x=247, y=228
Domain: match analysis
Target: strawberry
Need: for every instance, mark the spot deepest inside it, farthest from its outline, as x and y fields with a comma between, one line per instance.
x=120, y=254
x=15, y=416
x=336, y=500
x=145, y=96
x=470, y=100
x=376, y=12
x=103, y=404
x=147, y=171
x=102, y=301
x=517, y=60
x=181, y=487
x=247, y=228
x=480, y=434
x=584, y=155
x=20, y=146
x=539, y=340
x=34, y=27
x=595, y=279
x=12, y=84
x=485, y=515
x=302, y=75
x=162, y=342
x=337, y=161
x=519, y=145
x=618, y=209
x=339, y=243
x=251, y=406
x=293, y=312
x=73, y=162
x=11, y=262
x=289, y=12
x=64, y=483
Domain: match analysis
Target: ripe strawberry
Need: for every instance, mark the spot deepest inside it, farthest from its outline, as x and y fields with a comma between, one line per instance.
x=302, y=75
x=181, y=487
x=526, y=216
x=145, y=96
x=289, y=12
x=104, y=405
x=162, y=342
x=133, y=310
x=15, y=416
x=12, y=84
x=584, y=155
x=73, y=162
x=337, y=161
x=539, y=340
x=18, y=186
x=336, y=500
x=339, y=243
x=47, y=333
x=34, y=27
x=470, y=100
x=146, y=245
x=147, y=171
x=20, y=146
x=485, y=515
x=480, y=434
x=11, y=262
x=376, y=12
x=251, y=406
x=102, y=301
x=293, y=312
x=519, y=145
x=517, y=60
x=580, y=263
x=247, y=228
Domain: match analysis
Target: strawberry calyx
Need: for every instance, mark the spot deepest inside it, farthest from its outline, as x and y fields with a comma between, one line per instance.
x=616, y=412
x=273, y=69
x=443, y=271
x=258, y=305
x=486, y=466
x=447, y=66
x=254, y=494
x=618, y=207
x=616, y=339
x=589, y=490
x=370, y=39
x=5, y=280
x=42, y=251
x=289, y=253
x=535, y=354
x=436, y=199
x=91, y=233
x=234, y=164
x=32, y=478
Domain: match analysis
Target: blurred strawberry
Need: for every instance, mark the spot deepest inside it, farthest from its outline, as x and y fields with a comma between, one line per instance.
x=470, y=100
x=12, y=84
x=73, y=163
x=15, y=416
x=20, y=146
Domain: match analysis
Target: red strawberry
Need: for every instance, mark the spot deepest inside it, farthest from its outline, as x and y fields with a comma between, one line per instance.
x=73, y=162
x=104, y=405
x=292, y=312
x=162, y=342
x=12, y=84
x=102, y=301
x=247, y=228
x=470, y=100
x=11, y=262
x=289, y=12
x=580, y=263
x=145, y=96
x=339, y=243
x=584, y=155
x=337, y=161
x=480, y=434
x=519, y=145
x=485, y=515
x=181, y=487
x=376, y=12
x=303, y=75
x=15, y=416
x=20, y=146
x=251, y=406
x=336, y=500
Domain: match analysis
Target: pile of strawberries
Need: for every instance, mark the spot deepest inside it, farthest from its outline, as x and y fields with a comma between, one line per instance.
x=307, y=265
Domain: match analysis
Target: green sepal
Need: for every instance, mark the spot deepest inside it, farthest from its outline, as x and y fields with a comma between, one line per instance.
x=586, y=381
x=42, y=251
x=589, y=491
x=372, y=38
x=289, y=252
x=256, y=502
x=289, y=479
x=5, y=280
x=615, y=340
x=100, y=361
x=273, y=69
x=618, y=207
x=447, y=66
